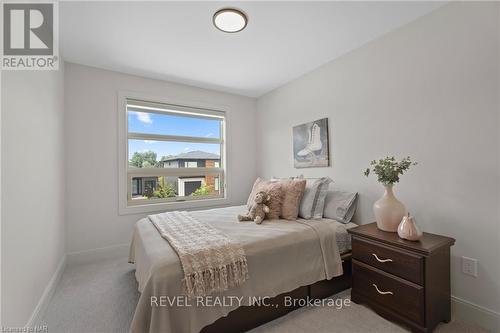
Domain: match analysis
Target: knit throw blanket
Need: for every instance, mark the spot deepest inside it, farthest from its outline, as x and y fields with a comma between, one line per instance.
x=210, y=260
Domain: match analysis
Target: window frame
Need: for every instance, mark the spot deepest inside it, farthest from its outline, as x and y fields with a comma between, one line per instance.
x=188, y=163
x=125, y=204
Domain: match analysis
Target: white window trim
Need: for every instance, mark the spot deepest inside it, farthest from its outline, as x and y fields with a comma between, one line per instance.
x=188, y=163
x=124, y=207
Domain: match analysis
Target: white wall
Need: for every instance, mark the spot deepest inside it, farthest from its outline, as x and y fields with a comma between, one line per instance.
x=92, y=150
x=33, y=229
x=429, y=90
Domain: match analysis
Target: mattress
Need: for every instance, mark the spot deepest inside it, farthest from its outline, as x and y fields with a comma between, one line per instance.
x=282, y=255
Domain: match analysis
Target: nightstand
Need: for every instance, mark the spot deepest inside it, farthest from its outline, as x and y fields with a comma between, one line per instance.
x=404, y=281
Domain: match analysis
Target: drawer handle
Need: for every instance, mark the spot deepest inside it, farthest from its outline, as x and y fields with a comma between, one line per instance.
x=380, y=260
x=382, y=292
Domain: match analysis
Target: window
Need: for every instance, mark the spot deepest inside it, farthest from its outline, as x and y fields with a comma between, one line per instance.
x=136, y=186
x=216, y=183
x=173, y=153
x=191, y=164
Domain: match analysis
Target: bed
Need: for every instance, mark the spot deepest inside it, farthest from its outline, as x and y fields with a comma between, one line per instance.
x=300, y=258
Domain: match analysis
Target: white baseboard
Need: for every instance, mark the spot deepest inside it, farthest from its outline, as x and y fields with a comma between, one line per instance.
x=47, y=294
x=94, y=255
x=469, y=312
x=82, y=257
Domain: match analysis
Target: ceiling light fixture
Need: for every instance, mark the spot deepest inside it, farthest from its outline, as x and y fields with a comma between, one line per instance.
x=230, y=20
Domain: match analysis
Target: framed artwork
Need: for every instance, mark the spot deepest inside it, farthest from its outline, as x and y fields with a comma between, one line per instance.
x=310, y=144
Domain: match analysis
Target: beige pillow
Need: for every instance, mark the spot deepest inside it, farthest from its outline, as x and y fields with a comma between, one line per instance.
x=293, y=190
x=274, y=190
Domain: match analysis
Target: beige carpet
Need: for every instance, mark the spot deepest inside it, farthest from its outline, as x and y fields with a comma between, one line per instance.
x=101, y=297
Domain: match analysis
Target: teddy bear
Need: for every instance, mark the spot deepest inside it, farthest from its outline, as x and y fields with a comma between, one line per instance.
x=258, y=210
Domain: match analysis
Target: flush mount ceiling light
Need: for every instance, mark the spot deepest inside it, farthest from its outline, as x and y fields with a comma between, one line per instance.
x=230, y=20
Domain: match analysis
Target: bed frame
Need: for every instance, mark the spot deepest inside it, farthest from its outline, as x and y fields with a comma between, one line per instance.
x=245, y=318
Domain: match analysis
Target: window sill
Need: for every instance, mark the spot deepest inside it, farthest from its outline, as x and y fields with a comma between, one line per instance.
x=169, y=206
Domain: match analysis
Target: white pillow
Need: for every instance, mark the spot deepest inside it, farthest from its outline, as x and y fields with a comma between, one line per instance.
x=340, y=205
x=313, y=199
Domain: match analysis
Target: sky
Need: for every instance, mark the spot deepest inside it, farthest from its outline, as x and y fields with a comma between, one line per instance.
x=141, y=122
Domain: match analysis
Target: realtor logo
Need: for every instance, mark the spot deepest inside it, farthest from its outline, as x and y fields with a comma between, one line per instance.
x=29, y=36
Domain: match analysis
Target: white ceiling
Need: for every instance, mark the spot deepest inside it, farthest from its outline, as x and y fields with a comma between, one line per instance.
x=176, y=41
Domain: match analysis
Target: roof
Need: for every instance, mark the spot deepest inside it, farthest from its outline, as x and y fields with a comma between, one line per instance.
x=193, y=155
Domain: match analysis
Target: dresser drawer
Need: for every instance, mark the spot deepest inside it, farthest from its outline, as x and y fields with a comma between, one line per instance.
x=401, y=296
x=403, y=264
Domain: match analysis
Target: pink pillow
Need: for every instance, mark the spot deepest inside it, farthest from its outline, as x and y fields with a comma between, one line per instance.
x=274, y=190
x=293, y=189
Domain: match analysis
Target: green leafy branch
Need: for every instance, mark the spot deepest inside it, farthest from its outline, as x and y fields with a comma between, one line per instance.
x=388, y=169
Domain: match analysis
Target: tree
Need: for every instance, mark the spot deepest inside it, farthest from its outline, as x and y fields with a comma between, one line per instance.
x=166, y=157
x=146, y=159
x=203, y=190
x=164, y=190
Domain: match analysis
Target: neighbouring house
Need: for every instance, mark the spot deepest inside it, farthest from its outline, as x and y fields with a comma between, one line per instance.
x=193, y=159
x=184, y=186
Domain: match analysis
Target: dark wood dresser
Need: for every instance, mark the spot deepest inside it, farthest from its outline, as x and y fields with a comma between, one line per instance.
x=404, y=281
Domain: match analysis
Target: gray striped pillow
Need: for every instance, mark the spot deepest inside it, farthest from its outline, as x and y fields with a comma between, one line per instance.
x=313, y=199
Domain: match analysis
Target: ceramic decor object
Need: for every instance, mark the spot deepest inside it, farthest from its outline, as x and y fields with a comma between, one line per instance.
x=407, y=229
x=388, y=211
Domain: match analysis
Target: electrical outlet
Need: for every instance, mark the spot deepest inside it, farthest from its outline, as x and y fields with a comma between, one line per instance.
x=469, y=266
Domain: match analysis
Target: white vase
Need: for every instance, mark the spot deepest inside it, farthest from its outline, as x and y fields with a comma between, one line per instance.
x=389, y=211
